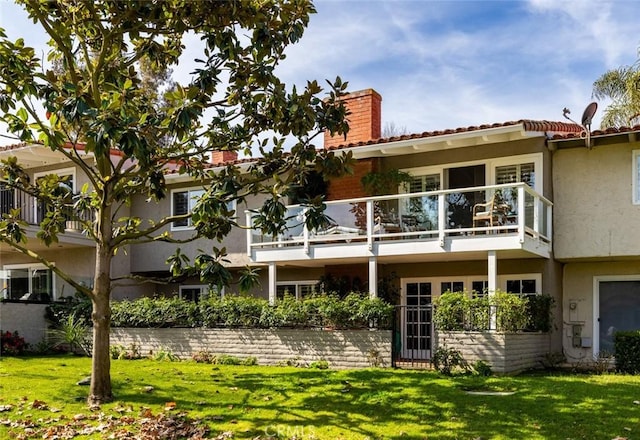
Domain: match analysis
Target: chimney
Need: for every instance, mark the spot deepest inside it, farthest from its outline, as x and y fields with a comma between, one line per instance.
x=220, y=157
x=365, y=119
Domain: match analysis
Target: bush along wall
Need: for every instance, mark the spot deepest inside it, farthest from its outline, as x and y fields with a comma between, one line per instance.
x=457, y=311
x=356, y=310
x=627, y=349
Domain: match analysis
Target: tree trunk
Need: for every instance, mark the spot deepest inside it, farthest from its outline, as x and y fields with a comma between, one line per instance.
x=100, y=390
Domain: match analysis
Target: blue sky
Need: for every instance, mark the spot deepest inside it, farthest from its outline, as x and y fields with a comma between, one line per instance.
x=448, y=64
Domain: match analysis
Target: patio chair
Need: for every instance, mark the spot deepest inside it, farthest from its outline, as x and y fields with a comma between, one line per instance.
x=490, y=213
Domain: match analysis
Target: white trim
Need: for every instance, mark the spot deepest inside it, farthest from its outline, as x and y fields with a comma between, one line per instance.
x=232, y=206
x=188, y=190
x=204, y=289
x=490, y=167
x=468, y=280
x=635, y=172
x=297, y=284
x=34, y=266
x=596, y=305
x=60, y=173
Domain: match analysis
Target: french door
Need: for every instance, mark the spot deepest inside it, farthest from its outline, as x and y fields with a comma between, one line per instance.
x=417, y=316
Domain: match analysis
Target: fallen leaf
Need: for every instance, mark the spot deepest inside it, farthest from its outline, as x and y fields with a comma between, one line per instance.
x=79, y=417
x=4, y=408
x=38, y=404
x=170, y=406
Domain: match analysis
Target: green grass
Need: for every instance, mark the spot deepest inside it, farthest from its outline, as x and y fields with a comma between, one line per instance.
x=286, y=402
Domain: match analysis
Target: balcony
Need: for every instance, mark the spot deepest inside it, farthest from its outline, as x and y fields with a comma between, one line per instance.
x=33, y=212
x=428, y=226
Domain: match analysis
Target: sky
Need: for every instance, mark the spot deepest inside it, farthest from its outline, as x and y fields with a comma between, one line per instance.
x=449, y=64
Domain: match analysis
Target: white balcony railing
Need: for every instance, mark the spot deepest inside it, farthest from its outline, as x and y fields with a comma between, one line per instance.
x=433, y=215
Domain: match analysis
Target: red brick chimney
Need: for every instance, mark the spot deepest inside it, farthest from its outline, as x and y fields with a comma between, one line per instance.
x=365, y=118
x=219, y=157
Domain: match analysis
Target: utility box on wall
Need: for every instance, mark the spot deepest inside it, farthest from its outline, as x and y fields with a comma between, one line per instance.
x=576, y=335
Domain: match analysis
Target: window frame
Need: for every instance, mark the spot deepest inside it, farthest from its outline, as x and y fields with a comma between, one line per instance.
x=231, y=206
x=31, y=267
x=298, y=284
x=205, y=290
x=189, y=191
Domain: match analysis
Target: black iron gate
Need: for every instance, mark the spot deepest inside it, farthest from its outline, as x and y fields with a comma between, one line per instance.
x=413, y=335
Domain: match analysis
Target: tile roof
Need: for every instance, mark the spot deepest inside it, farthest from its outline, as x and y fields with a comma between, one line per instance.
x=607, y=131
x=560, y=130
x=528, y=124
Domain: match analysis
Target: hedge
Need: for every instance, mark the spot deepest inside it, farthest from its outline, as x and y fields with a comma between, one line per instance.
x=455, y=311
x=354, y=311
x=627, y=350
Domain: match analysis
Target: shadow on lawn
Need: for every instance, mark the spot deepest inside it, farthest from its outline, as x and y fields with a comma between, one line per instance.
x=383, y=403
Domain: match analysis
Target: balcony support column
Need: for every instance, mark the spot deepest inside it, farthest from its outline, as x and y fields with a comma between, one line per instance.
x=373, y=277
x=272, y=283
x=492, y=286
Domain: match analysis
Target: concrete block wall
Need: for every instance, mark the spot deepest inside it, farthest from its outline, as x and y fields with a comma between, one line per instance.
x=342, y=349
x=26, y=318
x=505, y=352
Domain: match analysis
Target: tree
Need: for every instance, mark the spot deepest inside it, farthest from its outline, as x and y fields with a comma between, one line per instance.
x=622, y=87
x=101, y=117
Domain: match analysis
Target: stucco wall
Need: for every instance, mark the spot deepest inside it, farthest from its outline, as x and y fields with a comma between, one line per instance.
x=579, y=286
x=153, y=256
x=27, y=319
x=342, y=349
x=505, y=352
x=594, y=216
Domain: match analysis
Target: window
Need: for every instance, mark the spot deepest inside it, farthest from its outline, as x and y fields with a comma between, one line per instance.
x=522, y=286
x=522, y=172
x=28, y=283
x=197, y=292
x=636, y=177
x=298, y=289
x=429, y=182
x=183, y=202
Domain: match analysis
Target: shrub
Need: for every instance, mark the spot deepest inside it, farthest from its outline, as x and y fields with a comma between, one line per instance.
x=511, y=311
x=539, y=312
x=12, y=343
x=450, y=309
x=79, y=306
x=481, y=368
x=321, y=364
x=121, y=352
x=449, y=360
x=455, y=311
x=73, y=335
x=356, y=310
x=627, y=351
x=155, y=312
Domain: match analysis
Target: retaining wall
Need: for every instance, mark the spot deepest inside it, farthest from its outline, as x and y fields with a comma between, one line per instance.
x=27, y=318
x=505, y=352
x=341, y=348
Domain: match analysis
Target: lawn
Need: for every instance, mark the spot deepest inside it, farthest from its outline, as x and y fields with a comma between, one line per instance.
x=39, y=395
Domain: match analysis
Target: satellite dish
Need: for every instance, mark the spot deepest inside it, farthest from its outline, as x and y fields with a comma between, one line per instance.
x=587, y=115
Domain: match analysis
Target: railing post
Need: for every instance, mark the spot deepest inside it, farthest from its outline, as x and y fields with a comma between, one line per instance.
x=370, y=221
x=305, y=231
x=549, y=230
x=441, y=218
x=521, y=213
x=249, y=232
x=536, y=215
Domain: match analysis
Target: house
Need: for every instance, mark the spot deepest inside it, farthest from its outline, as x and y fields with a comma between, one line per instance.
x=521, y=206
x=597, y=237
